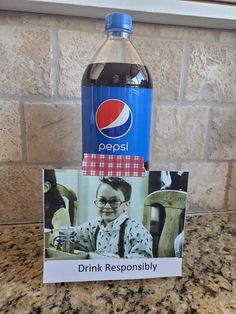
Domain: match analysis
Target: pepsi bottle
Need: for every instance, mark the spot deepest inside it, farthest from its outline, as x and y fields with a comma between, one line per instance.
x=117, y=96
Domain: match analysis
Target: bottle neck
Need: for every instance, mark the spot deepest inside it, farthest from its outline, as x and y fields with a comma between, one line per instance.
x=118, y=34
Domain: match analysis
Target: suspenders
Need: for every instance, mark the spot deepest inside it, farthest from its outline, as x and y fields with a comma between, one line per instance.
x=121, y=238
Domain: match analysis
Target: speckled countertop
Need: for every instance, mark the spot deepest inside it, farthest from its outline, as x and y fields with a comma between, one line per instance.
x=208, y=284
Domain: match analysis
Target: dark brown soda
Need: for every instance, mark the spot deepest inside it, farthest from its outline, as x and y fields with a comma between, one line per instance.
x=117, y=75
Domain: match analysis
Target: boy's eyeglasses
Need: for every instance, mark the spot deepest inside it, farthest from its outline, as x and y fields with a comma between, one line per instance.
x=113, y=203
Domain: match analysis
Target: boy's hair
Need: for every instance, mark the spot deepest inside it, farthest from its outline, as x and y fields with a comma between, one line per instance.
x=117, y=184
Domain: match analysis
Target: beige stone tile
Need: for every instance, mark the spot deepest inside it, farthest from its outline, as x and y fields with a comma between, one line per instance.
x=222, y=134
x=232, y=189
x=10, y=18
x=10, y=132
x=211, y=73
x=21, y=197
x=145, y=29
x=53, y=132
x=100, y=27
x=228, y=37
x=164, y=166
x=176, y=32
x=180, y=132
x=77, y=50
x=207, y=185
x=163, y=59
x=25, y=61
x=55, y=21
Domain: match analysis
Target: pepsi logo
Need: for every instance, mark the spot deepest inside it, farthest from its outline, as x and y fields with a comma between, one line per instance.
x=114, y=118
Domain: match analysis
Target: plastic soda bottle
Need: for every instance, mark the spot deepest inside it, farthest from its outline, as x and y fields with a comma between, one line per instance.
x=117, y=96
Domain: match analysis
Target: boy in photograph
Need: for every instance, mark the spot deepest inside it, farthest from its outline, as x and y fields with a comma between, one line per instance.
x=114, y=234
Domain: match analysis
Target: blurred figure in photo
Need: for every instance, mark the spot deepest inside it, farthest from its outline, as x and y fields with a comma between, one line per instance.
x=56, y=215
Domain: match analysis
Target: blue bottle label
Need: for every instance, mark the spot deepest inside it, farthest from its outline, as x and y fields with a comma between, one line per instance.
x=116, y=120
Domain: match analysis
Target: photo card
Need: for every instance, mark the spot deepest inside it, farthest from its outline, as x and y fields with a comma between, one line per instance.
x=113, y=228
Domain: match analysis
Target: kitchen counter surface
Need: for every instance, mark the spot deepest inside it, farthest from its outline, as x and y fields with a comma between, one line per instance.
x=208, y=284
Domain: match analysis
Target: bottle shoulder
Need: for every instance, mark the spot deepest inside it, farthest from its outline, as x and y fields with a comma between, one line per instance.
x=119, y=50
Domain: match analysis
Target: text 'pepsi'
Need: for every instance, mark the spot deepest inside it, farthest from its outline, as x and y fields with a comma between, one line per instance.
x=117, y=96
x=113, y=148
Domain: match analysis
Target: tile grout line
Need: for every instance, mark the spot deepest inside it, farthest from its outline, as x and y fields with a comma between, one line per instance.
x=55, y=63
x=24, y=146
x=184, y=71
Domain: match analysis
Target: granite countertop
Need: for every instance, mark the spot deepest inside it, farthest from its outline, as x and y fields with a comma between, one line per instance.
x=208, y=284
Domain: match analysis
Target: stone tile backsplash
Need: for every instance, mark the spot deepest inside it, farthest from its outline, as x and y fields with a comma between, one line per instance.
x=25, y=61
x=164, y=59
x=42, y=60
x=10, y=131
x=222, y=134
x=180, y=132
x=211, y=74
x=76, y=51
x=53, y=132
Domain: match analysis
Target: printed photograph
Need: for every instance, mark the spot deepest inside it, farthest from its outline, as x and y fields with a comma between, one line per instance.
x=90, y=217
